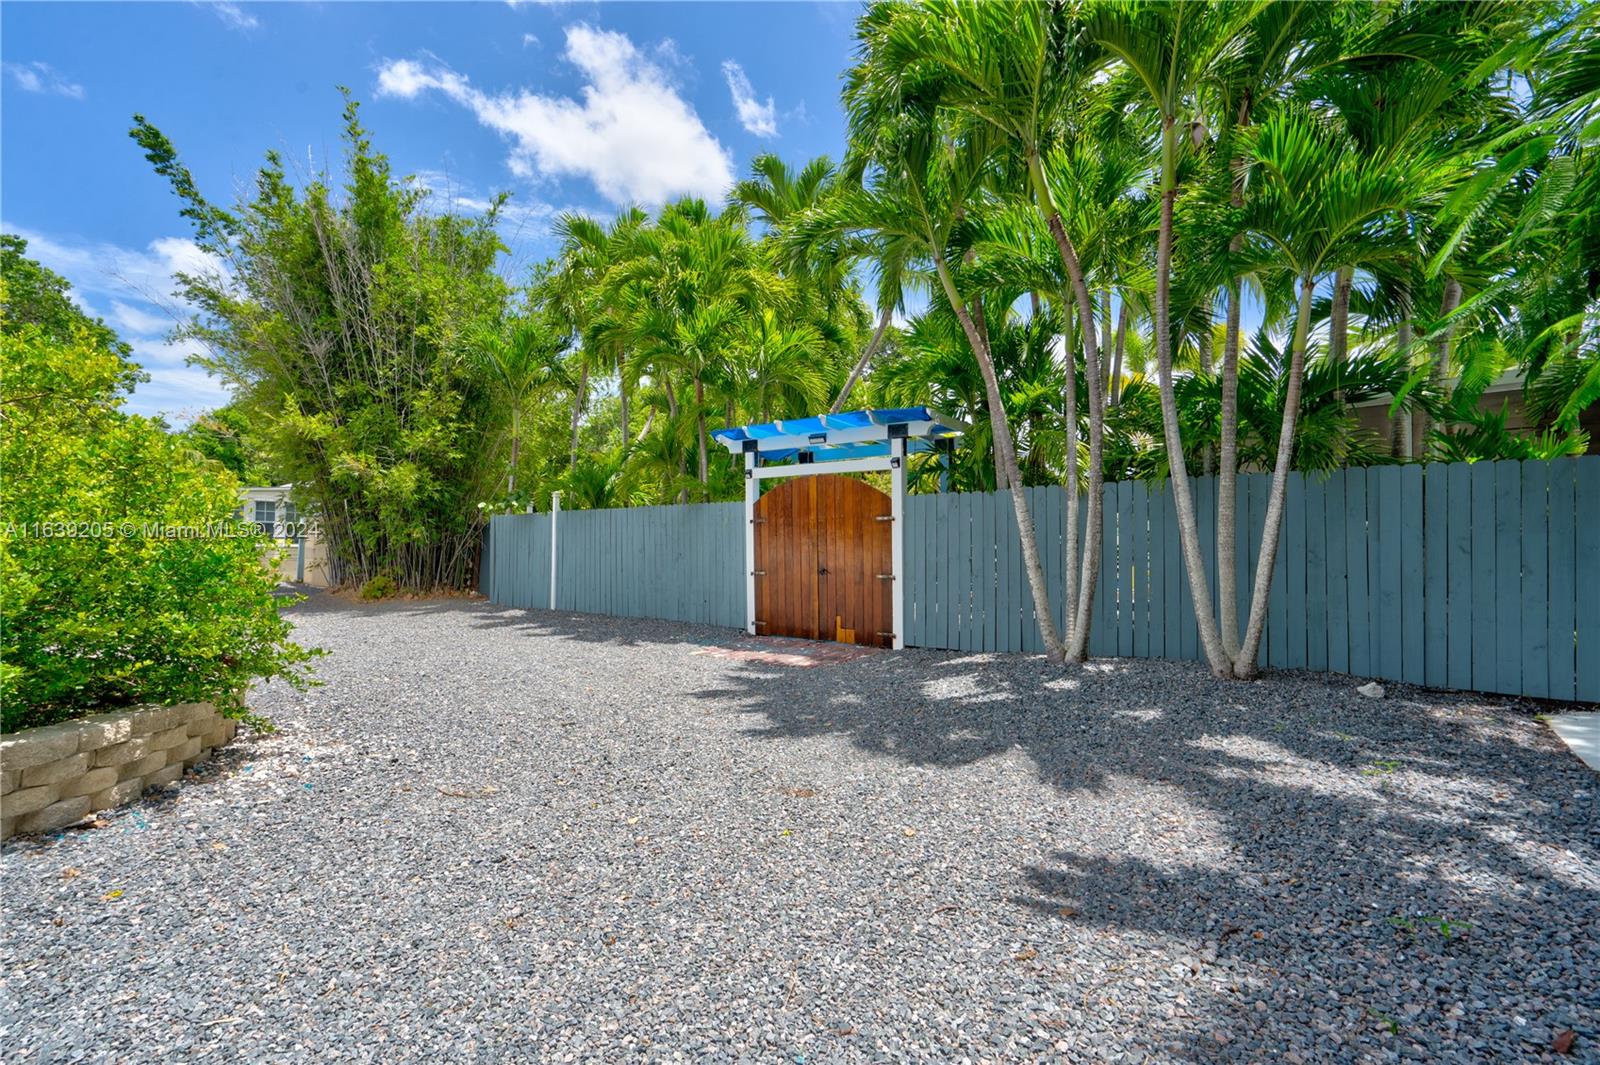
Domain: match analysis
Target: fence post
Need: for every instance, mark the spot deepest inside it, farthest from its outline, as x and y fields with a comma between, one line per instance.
x=752, y=490
x=555, y=515
x=897, y=527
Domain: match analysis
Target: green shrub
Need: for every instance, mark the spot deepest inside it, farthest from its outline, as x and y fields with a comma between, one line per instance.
x=123, y=578
x=380, y=587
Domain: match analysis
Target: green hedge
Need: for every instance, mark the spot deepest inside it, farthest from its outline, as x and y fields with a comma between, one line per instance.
x=122, y=576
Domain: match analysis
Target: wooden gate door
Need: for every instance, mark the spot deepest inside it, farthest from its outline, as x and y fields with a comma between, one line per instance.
x=823, y=556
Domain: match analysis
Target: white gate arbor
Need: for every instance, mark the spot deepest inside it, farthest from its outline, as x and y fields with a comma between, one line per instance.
x=867, y=441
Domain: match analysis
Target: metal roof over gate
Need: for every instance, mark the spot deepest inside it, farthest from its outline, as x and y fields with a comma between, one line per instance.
x=848, y=435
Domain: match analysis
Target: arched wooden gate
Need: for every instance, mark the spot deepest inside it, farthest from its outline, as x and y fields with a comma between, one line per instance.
x=824, y=561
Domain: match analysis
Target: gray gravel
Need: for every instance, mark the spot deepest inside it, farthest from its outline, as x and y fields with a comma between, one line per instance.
x=503, y=834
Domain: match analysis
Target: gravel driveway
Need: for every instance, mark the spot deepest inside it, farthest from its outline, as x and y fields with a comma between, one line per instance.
x=505, y=834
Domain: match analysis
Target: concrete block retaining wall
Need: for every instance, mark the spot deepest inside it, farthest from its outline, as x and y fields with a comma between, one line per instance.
x=54, y=775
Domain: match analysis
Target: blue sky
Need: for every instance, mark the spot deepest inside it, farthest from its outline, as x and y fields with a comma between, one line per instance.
x=565, y=105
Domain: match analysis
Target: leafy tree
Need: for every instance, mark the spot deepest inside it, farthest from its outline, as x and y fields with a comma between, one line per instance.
x=122, y=575
x=346, y=322
x=518, y=364
x=227, y=436
x=38, y=296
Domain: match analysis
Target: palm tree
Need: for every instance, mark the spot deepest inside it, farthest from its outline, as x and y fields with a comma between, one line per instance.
x=1321, y=201
x=780, y=196
x=692, y=286
x=1010, y=67
x=919, y=185
x=517, y=364
x=1272, y=51
x=1171, y=49
x=574, y=287
x=774, y=367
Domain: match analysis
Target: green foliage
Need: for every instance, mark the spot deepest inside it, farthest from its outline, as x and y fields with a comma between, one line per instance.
x=382, y=586
x=348, y=327
x=36, y=296
x=121, y=576
x=228, y=437
x=1407, y=191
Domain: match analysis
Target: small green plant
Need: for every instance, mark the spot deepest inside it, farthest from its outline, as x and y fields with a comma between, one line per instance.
x=380, y=587
x=1385, y=1020
x=1380, y=767
x=1446, y=927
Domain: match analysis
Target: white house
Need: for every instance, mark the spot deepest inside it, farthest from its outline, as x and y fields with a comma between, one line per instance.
x=271, y=508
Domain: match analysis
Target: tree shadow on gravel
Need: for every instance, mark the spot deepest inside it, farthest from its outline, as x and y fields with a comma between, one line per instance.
x=601, y=628
x=557, y=624
x=1416, y=872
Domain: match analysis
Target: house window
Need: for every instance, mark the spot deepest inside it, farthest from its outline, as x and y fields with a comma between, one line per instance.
x=291, y=521
x=266, y=516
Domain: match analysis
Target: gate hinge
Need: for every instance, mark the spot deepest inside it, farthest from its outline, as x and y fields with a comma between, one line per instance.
x=758, y=573
x=884, y=517
x=757, y=521
x=888, y=634
x=886, y=576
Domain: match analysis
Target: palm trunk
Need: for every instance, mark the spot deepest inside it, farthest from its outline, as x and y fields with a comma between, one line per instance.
x=1400, y=424
x=1441, y=357
x=1244, y=665
x=1106, y=341
x=861, y=364
x=516, y=449
x=1001, y=431
x=1002, y=470
x=1208, y=454
x=1228, y=442
x=579, y=398
x=1339, y=316
x=1339, y=324
x=1069, y=349
x=1228, y=471
x=700, y=424
x=1116, y=360
x=1079, y=612
x=622, y=401
x=1183, y=500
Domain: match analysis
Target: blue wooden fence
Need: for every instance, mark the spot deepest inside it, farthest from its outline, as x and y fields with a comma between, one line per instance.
x=680, y=563
x=1482, y=576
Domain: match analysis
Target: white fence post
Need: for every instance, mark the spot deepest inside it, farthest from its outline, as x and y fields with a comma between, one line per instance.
x=752, y=490
x=555, y=515
x=897, y=500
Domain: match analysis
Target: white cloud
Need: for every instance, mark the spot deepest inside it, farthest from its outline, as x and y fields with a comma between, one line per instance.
x=529, y=39
x=631, y=133
x=138, y=285
x=43, y=78
x=235, y=17
x=176, y=390
x=110, y=270
x=756, y=117
x=130, y=319
x=519, y=218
